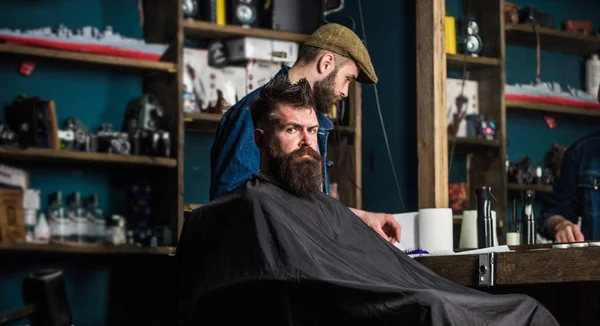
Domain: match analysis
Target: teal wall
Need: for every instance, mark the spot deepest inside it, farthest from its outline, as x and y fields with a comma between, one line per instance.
x=94, y=95
x=527, y=133
x=99, y=94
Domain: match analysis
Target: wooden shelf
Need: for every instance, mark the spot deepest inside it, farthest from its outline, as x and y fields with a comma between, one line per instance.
x=203, y=29
x=456, y=62
x=52, y=54
x=202, y=122
x=45, y=154
x=85, y=249
x=469, y=144
x=536, y=188
x=552, y=39
x=552, y=108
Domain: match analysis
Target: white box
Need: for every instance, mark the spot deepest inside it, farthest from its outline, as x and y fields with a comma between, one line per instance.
x=203, y=81
x=250, y=48
x=471, y=92
x=259, y=73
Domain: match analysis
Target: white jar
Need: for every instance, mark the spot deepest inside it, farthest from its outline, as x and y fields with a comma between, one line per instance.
x=592, y=75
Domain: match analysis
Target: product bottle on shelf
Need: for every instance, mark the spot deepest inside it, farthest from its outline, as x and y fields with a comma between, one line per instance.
x=485, y=231
x=96, y=219
x=528, y=232
x=78, y=215
x=61, y=228
x=592, y=74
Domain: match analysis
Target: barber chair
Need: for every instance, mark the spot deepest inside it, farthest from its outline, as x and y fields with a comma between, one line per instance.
x=45, y=298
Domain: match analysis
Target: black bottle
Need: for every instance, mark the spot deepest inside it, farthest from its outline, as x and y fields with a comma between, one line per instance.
x=528, y=233
x=485, y=232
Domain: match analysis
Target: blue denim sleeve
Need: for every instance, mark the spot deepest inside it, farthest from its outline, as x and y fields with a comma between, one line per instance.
x=563, y=200
x=235, y=158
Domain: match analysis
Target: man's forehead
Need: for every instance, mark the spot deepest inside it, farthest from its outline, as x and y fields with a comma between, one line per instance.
x=285, y=113
x=350, y=68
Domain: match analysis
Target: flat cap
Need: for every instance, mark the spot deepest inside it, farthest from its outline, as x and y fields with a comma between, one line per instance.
x=341, y=40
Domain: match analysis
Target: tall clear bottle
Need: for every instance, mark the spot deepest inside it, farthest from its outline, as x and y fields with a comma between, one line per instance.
x=61, y=228
x=78, y=215
x=485, y=231
x=528, y=231
x=96, y=218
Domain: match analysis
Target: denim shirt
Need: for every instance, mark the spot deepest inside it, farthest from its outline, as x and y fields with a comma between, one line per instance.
x=235, y=158
x=577, y=191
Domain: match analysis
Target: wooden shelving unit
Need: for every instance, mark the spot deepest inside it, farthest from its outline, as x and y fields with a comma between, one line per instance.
x=23, y=248
x=457, y=61
x=552, y=39
x=486, y=158
x=552, y=108
x=486, y=161
x=201, y=29
x=72, y=157
x=536, y=188
x=86, y=58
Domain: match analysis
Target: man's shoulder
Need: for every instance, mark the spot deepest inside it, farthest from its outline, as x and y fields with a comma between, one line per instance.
x=590, y=142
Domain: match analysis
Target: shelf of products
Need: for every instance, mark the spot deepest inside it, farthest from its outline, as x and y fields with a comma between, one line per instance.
x=456, y=62
x=552, y=108
x=552, y=39
x=86, y=249
x=536, y=188
x=203, y=29
x=30, y=154
x=43, y=53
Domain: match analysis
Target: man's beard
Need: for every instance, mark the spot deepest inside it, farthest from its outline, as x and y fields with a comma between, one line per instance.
x=324, y=92
x=302, y=175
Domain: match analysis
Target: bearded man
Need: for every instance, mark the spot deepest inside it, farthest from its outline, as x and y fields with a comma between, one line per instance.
x=278, y=251
x=330, y=59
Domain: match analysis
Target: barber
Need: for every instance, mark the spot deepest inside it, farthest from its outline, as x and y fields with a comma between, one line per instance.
x=330, y=59
x=576, y=193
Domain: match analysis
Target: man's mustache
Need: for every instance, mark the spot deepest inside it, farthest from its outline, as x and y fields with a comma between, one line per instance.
x=305, y=151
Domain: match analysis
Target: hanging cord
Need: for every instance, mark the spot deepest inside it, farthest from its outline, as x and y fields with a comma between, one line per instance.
x=362, y=23
x=538, y=50
x=141, y=12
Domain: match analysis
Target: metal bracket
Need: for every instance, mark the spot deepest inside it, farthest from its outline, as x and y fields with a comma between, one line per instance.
x=485, y=269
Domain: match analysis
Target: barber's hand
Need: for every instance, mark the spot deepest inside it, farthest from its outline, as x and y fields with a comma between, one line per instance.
x=568, y=232
x=384, y=224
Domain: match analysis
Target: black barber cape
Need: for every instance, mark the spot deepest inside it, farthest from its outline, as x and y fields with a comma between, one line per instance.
x=262, y=255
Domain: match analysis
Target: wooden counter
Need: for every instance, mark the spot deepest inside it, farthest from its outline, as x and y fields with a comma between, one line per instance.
x=526, y=265
x=565, y=281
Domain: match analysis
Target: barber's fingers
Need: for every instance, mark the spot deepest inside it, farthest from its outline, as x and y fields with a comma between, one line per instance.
x=577, y=233
x=569, y=233
x=393, y=226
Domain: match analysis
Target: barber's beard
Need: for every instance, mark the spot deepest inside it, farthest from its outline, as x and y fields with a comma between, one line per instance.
x=302, y=175
x=324, y=91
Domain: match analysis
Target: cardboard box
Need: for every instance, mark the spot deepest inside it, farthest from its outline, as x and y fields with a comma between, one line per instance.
x=12, y=223
x=457, y=116
x=259, y=73
x=204, y=83
x=250, y=48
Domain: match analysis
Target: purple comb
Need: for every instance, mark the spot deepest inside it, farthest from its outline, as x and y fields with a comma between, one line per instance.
x=416, y=251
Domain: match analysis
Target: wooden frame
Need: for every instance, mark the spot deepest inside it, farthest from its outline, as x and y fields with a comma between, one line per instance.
x=432, y=146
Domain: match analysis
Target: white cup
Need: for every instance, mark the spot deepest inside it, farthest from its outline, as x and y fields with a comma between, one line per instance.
x=513, y=238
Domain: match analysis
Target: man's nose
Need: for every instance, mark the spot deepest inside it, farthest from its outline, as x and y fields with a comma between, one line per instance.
x=306, y=140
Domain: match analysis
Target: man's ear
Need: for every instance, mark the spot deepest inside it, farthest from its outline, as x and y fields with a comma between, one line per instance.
x=259, y=138
x=326, y=63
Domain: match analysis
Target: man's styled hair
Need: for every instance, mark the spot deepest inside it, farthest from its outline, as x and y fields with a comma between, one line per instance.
x=308, y=54
x=279, y=91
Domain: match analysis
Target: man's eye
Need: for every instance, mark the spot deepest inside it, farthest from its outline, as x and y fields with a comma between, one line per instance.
x=313, y=131
x=290, y=130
